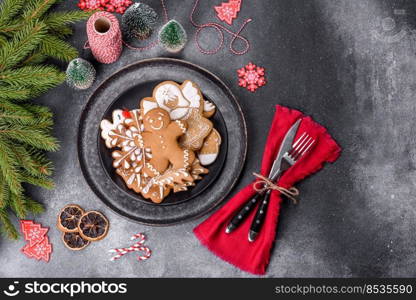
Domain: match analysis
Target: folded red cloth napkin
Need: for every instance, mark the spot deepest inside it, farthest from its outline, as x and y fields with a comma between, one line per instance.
x=235, y=248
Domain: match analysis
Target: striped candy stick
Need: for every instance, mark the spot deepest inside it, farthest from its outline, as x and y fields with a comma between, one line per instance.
x=138, y=246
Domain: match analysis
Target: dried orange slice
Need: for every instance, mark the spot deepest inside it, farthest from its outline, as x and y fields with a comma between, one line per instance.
x=74, y=241
x=69, y=217
x=93, y=226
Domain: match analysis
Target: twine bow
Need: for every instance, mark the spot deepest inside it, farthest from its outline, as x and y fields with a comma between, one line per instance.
x=265, y=184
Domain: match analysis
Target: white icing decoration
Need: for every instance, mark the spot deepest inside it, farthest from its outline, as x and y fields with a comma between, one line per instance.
x=181, y=126
x=147, y=106
x=107, y=127
x=207, y=159
x=208, y=106
x=168, y=93
x=191, y=94
x=131, y=179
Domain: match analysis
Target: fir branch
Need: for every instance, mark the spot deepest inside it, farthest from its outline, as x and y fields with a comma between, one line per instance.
x=33, y=59
x=43, y=182
x=15, y=93
x=61, y=31
x=38, y=77
x=36, y=116
x=57, y=19
x=17, y=204
x=29, y=135
x=34, y=162
x=33, y=206
x=3, y=40
x=38, y=110
x=28, y=36
x=23, y=42
x=7, y=226
x=34, y=9
x=8, y=168
x=57, y=48
x=9, y=9
x=4, y=192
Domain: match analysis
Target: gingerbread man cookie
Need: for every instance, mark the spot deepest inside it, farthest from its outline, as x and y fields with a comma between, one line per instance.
x=161, y=136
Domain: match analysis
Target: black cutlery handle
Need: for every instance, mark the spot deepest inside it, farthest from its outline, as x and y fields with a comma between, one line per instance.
x=259, y=217
x=243, y=213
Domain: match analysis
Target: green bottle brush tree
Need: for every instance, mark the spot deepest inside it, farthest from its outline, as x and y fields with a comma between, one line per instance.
x=29, y=35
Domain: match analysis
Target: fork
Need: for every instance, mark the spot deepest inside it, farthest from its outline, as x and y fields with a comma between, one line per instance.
x=299, y=149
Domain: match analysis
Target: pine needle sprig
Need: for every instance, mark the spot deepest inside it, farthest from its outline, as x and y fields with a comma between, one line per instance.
x=56, y=48
x=15, y=93
x=35, y=9
x=9, y=168
x=29, y=76
x=7, y=227
x=9, y=9
x=28, y=135
x=58, y=19
x=23, y=42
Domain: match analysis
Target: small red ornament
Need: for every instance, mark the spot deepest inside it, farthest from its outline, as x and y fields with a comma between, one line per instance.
x=126, y=113
x=251, y=77
x=228, y=11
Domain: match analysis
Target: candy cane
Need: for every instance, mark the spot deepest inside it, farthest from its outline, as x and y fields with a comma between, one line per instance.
x=137, y=246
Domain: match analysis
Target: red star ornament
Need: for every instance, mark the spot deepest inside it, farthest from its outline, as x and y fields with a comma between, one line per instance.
x=227, y=11
x=251, y=77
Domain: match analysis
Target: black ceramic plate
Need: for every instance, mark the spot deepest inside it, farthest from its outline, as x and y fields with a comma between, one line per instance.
x=125, y=89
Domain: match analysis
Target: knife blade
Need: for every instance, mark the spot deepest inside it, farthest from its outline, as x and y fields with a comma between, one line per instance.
x=284, y=147
x=275, y=174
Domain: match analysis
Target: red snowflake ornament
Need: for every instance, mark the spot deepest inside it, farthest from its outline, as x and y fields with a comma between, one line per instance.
x=228, y=11
x=251, y=77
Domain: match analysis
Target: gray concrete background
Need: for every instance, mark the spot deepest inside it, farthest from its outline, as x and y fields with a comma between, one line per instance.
x=349, y=64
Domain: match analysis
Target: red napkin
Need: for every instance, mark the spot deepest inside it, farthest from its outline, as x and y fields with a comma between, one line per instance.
x=235, y=248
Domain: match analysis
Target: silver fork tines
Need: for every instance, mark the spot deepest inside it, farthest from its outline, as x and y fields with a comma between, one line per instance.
x=300, y=147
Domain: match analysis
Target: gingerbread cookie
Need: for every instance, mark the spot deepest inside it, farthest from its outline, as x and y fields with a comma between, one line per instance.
x=161, y=136
x=209, y=109
x=107, y=128
x=210, y=149
x=183, y=102
x=155, y=145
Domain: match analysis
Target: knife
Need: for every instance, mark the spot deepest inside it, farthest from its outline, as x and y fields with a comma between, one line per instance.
x=284, y=147
x=262, y=209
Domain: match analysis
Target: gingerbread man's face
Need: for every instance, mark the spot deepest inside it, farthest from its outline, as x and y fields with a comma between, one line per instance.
x=156, y=119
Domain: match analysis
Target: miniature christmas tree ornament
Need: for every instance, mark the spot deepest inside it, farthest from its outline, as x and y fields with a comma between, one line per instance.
x=172, y=36
x=138, y=21
x=80, y=74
